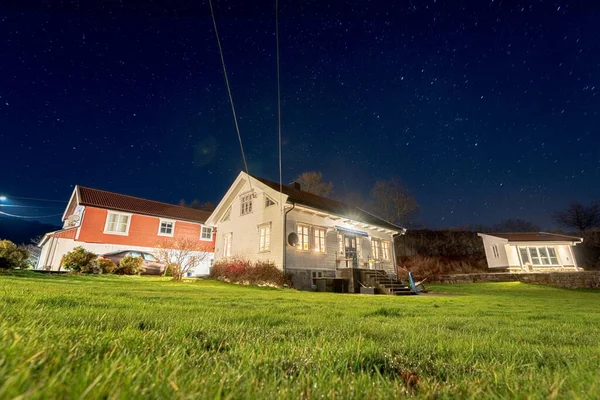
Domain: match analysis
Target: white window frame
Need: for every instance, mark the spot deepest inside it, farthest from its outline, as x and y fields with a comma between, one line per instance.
x=108, y=214
x=303, y=237
x=320, y=241
x=530, y=258
x=264, y=238
x=227, y=243
x=166, y=221
x=246, y=203
x=341, y=247
x=495, y=251
x=313, y=275
x=385, y=250
x=212, y=232
x=376, y=249
x=267, y=200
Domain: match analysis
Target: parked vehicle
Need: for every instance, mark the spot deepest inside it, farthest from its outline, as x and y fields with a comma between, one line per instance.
x=151, y=265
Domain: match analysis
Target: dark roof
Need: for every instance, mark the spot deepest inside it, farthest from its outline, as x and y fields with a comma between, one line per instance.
x=122, y=202
x=329, y=205
x=535, y=237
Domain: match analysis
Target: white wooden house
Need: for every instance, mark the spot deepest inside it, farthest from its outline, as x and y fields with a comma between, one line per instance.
x=308, y=236
x=530, y=252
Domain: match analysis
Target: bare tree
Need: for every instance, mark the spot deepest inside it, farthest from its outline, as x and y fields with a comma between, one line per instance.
x=312, y=182
x=392, y=201
x=206, y=206
x=579, y=216
x=182, y=255
x=516, y=225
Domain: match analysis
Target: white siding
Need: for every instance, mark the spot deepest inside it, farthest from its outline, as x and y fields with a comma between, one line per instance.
x=244, y=228
x=502, y=261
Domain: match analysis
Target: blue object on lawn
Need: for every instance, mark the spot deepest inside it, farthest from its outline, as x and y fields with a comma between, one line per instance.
x=412, y=283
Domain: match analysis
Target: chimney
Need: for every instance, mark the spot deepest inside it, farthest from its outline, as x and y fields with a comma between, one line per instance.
x=295, y=185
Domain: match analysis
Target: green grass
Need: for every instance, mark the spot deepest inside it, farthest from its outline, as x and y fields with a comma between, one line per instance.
x=134, y=337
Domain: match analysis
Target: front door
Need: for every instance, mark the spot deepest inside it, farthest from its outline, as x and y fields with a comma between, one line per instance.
x=350, y=246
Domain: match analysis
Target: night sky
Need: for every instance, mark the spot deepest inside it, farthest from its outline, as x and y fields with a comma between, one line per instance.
x=486, y=109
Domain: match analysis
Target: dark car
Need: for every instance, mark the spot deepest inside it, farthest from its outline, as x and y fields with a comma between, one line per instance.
x=151, y=265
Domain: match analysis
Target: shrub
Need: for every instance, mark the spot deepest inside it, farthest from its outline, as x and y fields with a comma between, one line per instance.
x=130, y=265
x=104, y=266
x=433, y=266
x=244, y=271
x=80, y=260
x=169, y=269
x=12, y=256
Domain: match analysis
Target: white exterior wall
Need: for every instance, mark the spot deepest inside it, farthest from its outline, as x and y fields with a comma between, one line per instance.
x=55, y=248
x=244, y=228
x=302, y=259
x=503, y=260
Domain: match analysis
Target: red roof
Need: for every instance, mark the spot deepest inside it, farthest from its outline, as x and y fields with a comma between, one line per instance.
x=535, y=237
x=122, y=202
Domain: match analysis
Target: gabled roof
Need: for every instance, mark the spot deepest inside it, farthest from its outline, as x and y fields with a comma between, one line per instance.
x=122, y=202
x=329, y=205
x=535, y=237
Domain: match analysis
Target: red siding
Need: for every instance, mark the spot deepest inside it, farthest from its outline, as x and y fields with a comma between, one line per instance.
x=143, y=230
x=68, y=234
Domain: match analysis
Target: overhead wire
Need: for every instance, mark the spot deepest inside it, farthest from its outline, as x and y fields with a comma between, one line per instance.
x=235, y=120
x=36, y=199
x=16, y=205
x=30, y=217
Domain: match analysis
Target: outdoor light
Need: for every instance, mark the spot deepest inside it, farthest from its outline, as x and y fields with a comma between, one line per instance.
x=2, y=198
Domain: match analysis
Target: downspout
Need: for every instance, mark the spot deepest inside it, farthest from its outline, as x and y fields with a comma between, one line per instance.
x=285, y=238
x=401, y=233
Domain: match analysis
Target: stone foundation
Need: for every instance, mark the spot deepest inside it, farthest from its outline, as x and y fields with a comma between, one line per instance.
x=571, y=280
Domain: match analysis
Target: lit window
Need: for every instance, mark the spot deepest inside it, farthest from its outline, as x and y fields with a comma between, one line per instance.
x=385, y=251
x=376, y=248
x=117, y=223
x=166, y=227
x=341, y=248
x=206, y=233
x=319, y=240
x=246, y=204
x=315, y=275
x=227, y=239
x=358, y=248
x=303, y=237
x=539, y=256
x=268, y=201
x=264, y=238
x=227, y=215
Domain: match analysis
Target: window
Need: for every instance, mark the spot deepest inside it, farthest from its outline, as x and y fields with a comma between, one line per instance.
x=319, y=234
x=385, y=250
x=206, y=233
x=495, y=251
x=539, y=256
x=303, y=237
x=226, y=215
x=149, y=257
x=314, y=276
x=166, y=227
x=246, y=204
x=227, y=239
x=117, y=223
x=268, y=201
x=264, y=235
x=341, y=248
x=358, y=247
x=376, y=248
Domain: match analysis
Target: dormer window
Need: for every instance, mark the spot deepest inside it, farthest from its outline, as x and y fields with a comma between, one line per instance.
x=268, y=202
x=246, y=204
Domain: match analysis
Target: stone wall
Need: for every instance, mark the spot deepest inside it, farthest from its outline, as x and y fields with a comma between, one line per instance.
x=571, y=280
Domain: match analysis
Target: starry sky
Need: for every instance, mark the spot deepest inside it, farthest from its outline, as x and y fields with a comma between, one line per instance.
x=487, y=110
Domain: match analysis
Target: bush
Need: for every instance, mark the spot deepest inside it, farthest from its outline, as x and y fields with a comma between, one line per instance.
x=80, y=260
x=130, y=265
x=104, y=266
x=13, y=256
x=433, y=266
x=169, y=269
x=246, y=272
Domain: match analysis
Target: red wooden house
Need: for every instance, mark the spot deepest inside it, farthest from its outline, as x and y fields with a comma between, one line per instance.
x=104, y=222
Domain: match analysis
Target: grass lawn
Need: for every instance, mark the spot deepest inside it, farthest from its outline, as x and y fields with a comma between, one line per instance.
x=136, y=337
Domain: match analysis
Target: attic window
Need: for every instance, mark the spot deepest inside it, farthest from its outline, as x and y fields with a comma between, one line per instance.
x=246, y=204
x=268, y=201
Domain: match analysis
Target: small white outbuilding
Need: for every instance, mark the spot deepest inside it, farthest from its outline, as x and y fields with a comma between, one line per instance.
x=530, y=251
